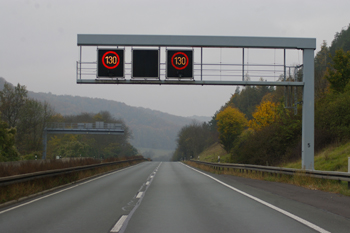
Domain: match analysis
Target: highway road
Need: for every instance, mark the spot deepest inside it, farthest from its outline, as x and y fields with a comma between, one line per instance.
x=166, y=197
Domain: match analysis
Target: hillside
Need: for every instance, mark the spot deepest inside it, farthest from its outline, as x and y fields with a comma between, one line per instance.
x=150, y=128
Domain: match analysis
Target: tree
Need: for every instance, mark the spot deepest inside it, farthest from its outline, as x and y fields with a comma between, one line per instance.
x=32, y=119
x=339, y=75
x=231, y=123
x=73, y=149
x=333, y=113
x=8, y=151
x=12, y=99
x=104, y=146
x=192, y=140
x=341, y=41
x=321, y=63
x=264, y=115
x=248, y=98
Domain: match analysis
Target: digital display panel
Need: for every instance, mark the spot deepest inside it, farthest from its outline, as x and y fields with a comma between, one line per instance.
x=145, y=63
x=179, y=64
x=110, y=63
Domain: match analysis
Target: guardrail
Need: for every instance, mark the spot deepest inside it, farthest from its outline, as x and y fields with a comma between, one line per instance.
x=49, y=173
x=330, y=175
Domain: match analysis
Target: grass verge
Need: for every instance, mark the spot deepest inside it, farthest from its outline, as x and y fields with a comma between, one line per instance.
x=332, y=158
x=211, y=154
x=298, y=179
x=24, y=189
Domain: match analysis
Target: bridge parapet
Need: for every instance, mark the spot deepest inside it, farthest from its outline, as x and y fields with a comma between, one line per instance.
x=71, y=126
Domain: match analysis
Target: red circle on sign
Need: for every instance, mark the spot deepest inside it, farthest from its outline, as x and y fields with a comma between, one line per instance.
x=172, y=61
x=103, y=60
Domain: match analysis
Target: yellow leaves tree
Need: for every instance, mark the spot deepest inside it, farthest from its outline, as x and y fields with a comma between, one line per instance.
x=265, y=114
x=231, y=123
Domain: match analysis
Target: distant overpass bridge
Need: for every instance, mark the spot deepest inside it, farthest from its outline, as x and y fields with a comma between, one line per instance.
x=98, y=127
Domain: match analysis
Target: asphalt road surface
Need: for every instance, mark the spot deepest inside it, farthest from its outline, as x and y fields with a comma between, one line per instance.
x=172, y=197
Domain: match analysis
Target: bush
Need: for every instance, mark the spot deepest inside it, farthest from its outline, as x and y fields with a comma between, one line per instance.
x=333, y=114
x=270, y=144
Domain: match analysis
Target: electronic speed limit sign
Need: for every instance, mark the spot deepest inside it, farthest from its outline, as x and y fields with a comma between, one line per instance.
x=110, y=63
x=179, y=64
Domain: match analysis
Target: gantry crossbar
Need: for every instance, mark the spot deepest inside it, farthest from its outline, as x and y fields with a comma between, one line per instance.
x=196, y=41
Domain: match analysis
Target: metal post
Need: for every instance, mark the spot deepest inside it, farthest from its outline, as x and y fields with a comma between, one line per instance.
x=308, y=110
x=242, y=64
x=348, y=171
x=80, y=63
x=44, y=143
x=201, y=63
x=284, y=64
x=295, y=93
x=159, y=62
x=284, y=79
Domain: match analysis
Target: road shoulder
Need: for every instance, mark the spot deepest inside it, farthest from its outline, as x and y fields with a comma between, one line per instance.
x=331, y=202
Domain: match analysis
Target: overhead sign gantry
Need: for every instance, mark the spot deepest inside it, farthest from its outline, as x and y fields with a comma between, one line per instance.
x=179, y=60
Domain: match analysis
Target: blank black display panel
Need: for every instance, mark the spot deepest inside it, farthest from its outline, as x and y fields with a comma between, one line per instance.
x=145, y=63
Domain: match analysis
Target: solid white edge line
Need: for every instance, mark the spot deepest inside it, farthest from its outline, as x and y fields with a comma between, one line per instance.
x=303, y=221
x=49, y=195
x=119, y=224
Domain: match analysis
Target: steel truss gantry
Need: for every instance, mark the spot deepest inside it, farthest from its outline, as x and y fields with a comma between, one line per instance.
x=307, y=45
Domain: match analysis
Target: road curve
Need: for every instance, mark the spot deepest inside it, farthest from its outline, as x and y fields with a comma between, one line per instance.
x=166, y=197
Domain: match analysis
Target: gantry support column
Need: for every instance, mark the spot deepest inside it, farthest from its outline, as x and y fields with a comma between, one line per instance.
x=308, y=145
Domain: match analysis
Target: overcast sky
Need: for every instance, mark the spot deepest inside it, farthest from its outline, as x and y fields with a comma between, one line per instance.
x=38, y=40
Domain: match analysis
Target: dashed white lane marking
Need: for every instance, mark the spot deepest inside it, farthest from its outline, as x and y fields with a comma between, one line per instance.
x=139, y=195
x=303, y=221
x=119, y=224
x=35, y=200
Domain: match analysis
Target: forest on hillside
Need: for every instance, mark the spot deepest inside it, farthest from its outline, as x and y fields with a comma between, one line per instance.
x=150, y=128
x=257, y=124
x=23, y=120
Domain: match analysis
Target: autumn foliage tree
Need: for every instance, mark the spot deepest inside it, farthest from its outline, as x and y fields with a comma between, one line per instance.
x=264, y=115
x=230, y=122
